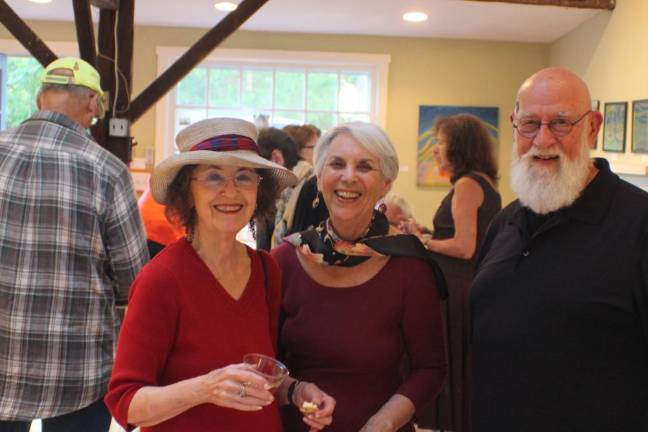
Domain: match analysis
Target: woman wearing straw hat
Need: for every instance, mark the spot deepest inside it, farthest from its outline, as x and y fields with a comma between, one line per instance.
x=207, y=300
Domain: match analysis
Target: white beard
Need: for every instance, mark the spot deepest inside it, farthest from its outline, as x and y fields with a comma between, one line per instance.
x=544, y=190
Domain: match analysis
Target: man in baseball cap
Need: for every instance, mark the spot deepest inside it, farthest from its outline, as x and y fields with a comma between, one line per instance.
x=72, y=243
x=71, y=76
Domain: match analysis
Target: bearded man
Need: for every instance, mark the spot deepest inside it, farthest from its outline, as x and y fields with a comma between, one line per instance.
x=560, y=299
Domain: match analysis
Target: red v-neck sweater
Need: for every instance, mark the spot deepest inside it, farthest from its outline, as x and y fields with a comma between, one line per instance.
x=181, y=323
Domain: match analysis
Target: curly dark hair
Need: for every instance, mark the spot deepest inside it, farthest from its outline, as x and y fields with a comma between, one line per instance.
x=469, y=145
x=180, y=211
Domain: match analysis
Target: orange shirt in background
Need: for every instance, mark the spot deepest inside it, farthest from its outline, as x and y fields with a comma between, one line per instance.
x=158, y=228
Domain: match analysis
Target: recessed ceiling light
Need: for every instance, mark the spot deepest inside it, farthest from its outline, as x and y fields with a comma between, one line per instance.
x=415, y=16
x=225, y=6
x=41, y=1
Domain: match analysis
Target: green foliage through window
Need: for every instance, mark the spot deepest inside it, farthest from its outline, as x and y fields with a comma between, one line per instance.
x=324, y=97
x=23, y=82
x=257, y=89
x=192, y=90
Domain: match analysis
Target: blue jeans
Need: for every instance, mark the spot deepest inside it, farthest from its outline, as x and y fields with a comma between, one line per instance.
x=93, y=418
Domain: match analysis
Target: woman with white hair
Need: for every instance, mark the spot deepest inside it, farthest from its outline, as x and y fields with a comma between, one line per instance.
x=357, y=295
x=397, y=209
x=207, y=300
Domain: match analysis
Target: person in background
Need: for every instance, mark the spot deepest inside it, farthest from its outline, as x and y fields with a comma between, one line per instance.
x=71, y=243
x=357, y=297
x=397, y=210
x=207, y=300
x=159, y=231
x=466, y=151
x=305, y=138
x=278, y=147
x=560, y=299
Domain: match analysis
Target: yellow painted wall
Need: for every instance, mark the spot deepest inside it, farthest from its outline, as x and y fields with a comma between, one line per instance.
x=423, y=71
x=610, y=51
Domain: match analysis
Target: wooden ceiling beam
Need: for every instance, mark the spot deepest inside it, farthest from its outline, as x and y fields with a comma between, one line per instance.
x=21, y=31
x=583, y=4
x=193, y=57
x=85, y=31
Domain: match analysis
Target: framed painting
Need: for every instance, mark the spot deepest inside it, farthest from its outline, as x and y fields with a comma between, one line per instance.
x=614, y=127
x=427, y=169
x=640, y=126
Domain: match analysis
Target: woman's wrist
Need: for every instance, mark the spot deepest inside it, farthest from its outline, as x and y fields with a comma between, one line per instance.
x=201, y=388
x=292, y=390
x=287, y=391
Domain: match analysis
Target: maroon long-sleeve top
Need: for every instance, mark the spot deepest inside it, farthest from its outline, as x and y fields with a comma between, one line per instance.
x=350, y=341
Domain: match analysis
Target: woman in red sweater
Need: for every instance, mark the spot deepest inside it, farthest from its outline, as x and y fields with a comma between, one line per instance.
x=207, y=300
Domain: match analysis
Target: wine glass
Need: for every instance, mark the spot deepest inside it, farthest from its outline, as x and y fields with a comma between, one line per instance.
x=269, y=368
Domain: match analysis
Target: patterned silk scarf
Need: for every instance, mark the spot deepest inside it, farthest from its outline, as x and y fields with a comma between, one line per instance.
x=323, y=246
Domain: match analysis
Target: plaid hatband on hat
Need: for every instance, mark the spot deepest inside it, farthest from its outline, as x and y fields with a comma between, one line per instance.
x=227, y=143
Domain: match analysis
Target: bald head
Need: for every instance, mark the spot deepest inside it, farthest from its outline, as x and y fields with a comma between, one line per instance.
x=556, y=85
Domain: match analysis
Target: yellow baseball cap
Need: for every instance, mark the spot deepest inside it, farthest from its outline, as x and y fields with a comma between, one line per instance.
x=74, y=71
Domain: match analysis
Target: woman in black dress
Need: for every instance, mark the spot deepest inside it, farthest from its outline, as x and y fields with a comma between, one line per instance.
x=466, y=151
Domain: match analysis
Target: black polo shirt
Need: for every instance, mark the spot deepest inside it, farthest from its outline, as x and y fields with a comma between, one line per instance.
x=560, y=317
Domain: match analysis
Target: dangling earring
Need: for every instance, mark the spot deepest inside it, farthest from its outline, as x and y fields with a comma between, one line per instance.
x=253, y=228
x=316, y=201
x=382, y=207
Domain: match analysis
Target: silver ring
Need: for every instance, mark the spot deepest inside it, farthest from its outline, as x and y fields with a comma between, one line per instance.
x=242, y=391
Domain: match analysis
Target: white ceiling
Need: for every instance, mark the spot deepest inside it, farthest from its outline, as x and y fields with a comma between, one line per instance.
x=447, y=18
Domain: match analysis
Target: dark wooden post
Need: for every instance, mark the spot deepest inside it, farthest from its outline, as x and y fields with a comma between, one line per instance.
x=106, y=52
x=85, y=31
x=122, y=147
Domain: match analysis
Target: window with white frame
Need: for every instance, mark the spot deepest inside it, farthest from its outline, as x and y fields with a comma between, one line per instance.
x=273, y=88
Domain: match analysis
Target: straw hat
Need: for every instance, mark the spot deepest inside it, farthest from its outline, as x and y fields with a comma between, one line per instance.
x=216, y=141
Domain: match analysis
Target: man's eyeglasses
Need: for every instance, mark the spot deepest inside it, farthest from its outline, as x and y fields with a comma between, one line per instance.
x=560, y=127
x=246, y=180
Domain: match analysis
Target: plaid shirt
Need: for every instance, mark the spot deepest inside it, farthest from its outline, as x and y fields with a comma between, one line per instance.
x=71, y=243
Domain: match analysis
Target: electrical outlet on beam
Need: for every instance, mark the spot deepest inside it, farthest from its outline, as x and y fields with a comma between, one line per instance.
x=118, y=127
